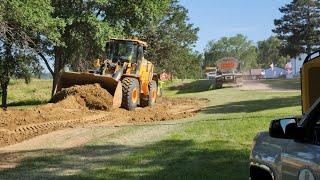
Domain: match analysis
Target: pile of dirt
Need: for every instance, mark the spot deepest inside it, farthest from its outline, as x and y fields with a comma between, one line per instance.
x=92, y=96
x=81, y=106
x=167, y=109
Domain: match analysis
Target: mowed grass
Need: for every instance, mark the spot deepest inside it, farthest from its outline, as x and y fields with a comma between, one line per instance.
x=21, y=95
x=214, y=144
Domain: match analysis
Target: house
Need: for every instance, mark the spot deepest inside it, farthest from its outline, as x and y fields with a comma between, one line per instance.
x=297, y=63
x=273, y=73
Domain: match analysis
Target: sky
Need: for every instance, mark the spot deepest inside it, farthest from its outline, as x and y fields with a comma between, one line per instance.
x=219, y=18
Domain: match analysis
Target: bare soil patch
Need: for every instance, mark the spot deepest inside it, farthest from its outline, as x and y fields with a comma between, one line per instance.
x=85, y=105
x=253, y=85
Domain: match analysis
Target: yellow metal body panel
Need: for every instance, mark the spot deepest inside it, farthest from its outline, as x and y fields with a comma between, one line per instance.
x=131, y=40
x=310, y=85
x=145, y=75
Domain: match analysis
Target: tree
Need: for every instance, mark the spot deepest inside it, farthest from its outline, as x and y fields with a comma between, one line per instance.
x=133, y=16
x=22, y=22
x=237, y=46
x=28, y=66
x=299, y=27
x=269, y=52
x=170, y=41
x=75, y=32
x=91, y=23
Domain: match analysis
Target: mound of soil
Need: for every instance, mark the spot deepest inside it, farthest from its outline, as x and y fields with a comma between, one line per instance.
x=166, y=109
x=81, y=106
x=91, y=96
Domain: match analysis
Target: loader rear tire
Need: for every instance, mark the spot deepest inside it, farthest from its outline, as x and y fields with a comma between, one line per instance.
x=151, y=99
x=130, y=93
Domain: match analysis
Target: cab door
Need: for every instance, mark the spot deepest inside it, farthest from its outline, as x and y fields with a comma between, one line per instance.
x=301, y=161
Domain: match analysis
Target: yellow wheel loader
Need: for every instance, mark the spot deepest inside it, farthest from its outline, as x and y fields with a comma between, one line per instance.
x=125, y=74
x=310, y=86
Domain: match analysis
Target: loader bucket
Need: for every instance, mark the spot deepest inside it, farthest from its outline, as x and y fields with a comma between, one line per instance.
x=114, y=87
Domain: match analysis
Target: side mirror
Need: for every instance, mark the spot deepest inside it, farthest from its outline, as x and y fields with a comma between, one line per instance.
x=284, y=128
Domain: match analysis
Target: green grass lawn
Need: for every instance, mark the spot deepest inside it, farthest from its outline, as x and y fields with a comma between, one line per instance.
x=21, y=95
x=214, y=144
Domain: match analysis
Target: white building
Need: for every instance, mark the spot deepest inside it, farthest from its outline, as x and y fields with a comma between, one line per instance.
x=297, y=63
x=273, y=73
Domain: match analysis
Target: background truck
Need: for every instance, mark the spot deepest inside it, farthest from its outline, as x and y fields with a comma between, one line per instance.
x=227, y=72
x=211, y=73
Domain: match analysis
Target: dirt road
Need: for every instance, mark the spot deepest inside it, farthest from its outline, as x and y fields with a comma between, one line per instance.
x=90, y=143
x=253, y=85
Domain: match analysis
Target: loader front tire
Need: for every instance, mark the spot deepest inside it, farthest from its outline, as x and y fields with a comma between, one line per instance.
x=151, y=99
x=130, y=93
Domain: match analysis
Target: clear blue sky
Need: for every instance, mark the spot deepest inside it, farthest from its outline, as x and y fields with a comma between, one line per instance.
x=218, y=18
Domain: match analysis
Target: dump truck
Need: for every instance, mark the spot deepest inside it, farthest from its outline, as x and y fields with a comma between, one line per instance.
x=227, y=71
x=124, y=73
x=290, y=150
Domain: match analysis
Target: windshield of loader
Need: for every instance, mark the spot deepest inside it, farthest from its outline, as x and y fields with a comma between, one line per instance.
x=122, y=51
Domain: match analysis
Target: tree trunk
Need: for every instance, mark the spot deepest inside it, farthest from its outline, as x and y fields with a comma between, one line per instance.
x=58, y=65
x=4, y=88
x=7, y=65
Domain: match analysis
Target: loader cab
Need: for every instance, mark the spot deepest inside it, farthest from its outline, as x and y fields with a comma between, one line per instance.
x=122, y=50
x=310, y=86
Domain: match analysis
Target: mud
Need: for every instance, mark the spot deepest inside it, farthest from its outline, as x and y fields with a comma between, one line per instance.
x=87, y=105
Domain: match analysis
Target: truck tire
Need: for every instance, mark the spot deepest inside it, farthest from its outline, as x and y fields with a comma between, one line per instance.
x=130, y=93
x=151, y=99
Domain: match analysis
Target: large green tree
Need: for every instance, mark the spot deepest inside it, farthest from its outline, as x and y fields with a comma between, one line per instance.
x=22, y=23
x=299, y=27
x=91, y=23
x=269, y=52
x=75, y=32
x=171, y=39
x=237, y=46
